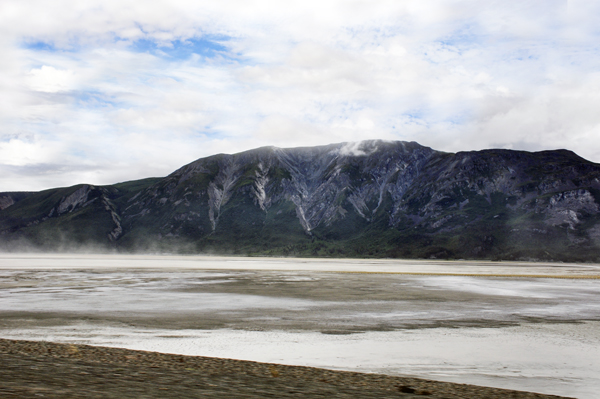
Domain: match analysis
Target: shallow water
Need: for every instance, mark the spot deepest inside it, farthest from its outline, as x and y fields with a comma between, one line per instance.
x=537, y=334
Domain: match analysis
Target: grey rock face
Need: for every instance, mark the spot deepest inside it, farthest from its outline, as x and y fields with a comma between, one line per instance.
x=6, y=201
x=78, y=198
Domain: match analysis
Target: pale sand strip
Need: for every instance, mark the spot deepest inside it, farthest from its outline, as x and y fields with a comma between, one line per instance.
x=459, y=268
x=558, y=276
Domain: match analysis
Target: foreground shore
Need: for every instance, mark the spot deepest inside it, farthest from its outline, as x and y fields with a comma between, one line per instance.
x=42, y=369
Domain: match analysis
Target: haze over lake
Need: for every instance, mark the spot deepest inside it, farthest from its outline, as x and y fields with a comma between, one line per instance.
x=488, y=323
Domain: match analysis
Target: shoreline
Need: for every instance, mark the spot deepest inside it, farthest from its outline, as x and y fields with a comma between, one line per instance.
x=69, y=370
x=418, y=267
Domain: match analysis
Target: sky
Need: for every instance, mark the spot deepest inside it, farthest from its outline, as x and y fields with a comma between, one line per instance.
x=107, y=91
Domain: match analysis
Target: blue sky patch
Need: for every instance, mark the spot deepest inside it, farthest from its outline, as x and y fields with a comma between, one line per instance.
x=95, y=99
x=182, y=49
x=40, y=46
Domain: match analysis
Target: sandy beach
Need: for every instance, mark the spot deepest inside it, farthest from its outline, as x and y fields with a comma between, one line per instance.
x=34, y=369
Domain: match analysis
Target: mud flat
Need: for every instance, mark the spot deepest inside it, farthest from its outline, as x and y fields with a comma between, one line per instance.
x=522, y=326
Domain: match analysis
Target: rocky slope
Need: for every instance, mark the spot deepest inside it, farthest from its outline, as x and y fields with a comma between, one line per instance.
x=373, y=198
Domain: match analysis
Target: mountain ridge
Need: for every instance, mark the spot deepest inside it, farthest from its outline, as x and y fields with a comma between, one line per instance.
x=368, y=199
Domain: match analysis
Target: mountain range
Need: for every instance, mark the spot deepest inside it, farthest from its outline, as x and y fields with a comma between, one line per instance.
x=365, y=199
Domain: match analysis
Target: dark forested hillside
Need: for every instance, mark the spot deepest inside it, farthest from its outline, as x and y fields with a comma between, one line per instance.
x=367, y=199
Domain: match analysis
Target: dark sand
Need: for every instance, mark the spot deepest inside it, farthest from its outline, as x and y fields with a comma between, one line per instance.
x=42, y=369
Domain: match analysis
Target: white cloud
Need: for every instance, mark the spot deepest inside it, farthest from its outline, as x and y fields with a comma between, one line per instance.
x=51, y=80
x=77, y=98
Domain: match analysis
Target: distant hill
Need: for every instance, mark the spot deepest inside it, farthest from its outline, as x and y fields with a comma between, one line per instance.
x=367, y=199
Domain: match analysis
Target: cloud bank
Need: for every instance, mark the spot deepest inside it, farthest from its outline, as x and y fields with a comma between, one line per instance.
x=106, y=91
